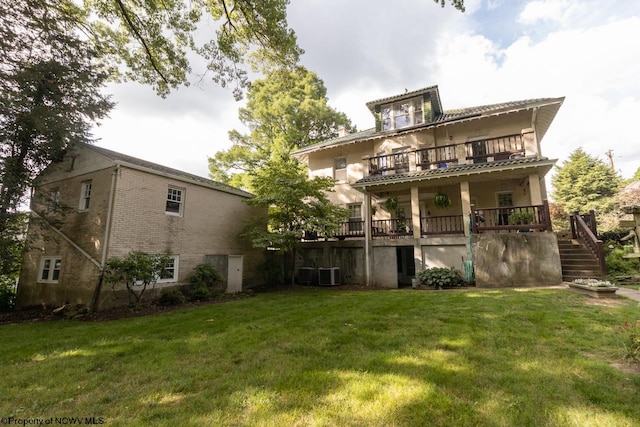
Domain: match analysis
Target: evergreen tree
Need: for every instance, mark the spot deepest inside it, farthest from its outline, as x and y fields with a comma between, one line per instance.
x=286, y=110
x=583, y=183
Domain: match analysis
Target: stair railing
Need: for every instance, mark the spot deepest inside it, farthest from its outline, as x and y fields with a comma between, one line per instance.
x=584, y=232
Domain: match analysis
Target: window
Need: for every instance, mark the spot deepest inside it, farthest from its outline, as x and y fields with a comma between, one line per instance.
x=175, y=199
x=355, y=211
x=402, y=114
x=340, y=169
x=504, y=200
x=54, y=200
x=170, y=272
x=85, y=195
x=355, y=217
x=49, y=269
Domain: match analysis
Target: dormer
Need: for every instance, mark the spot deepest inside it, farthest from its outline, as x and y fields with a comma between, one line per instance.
x=407, y=110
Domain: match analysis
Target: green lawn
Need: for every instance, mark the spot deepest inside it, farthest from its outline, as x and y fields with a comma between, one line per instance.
x=334, y=358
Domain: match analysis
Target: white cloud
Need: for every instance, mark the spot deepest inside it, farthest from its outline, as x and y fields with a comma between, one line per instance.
x=558, y=11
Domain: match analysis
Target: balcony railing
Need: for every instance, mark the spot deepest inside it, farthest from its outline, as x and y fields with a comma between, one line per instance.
x=486, y=150
x=440, y=157
x=513, y=218
x=502, y=148
x=449, y=224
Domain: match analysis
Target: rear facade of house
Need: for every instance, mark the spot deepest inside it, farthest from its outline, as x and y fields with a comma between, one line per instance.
x=96, y=204
x=485, y=162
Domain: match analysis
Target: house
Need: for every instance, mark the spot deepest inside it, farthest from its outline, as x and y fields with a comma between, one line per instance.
x=426, y=187
x=95, y=204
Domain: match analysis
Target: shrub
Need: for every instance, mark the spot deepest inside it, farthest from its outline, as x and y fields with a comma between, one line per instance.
x=208, y=276
x=7, y=294
x=171, y=296
x=272, y=271
x=440, y=277
x=199, y=293
x=617, y=265
x=631, y=341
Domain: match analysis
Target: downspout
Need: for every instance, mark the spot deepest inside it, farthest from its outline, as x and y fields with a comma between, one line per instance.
x=105, y=240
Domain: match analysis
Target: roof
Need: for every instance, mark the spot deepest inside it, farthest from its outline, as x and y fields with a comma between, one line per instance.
x=549, y=107
x=456, y=171
x=433, y=90
x=140, y=164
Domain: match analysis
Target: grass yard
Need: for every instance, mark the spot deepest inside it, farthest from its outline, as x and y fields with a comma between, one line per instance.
x=538, y=357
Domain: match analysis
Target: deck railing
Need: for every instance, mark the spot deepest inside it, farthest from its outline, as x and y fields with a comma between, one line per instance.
x=448, y=224
x=501, y=148
x=511, y=219
x=586, y=232
x=436, y=156
x=490, y=149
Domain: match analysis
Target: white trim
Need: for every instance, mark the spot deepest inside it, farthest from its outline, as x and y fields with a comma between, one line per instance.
x=176, y=265
x=51, y=268
x=177, y=197
x=85, y=195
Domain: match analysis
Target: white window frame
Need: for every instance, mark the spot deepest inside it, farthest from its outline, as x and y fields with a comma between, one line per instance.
x=174, y=268
x=391, y=113
x=175, y=195
x=353, y=208
x=85, y=195
x=340, y=174
x=50, y=263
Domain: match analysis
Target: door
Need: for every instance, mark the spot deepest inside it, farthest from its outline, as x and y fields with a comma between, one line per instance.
x=406, y=265
x=234, y=275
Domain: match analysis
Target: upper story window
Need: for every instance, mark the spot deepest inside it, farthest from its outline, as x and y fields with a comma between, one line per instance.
x=355, y=211
x=340, y=169
x=85, y=195
x=402, y=114
x=49, y=269
x=175, y=201
x=54, y=200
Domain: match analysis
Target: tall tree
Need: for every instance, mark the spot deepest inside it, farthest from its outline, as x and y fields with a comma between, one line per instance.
x=288, y=109
x=295, y=204
x=153, y=40
x=585, y=182
x=49, y=98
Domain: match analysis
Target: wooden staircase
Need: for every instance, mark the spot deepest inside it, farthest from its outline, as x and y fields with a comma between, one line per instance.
x=577, y=261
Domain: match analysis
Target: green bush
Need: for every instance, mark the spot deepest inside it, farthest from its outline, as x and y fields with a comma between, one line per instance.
x=440, y=277
x=616, y=264
x=171, y=296
x=207, y=276
x=7, y=294
x=199, y=293
x=631, y=341
x=272, y=271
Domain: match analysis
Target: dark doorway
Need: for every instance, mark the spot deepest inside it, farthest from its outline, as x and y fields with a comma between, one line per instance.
x=406, y=265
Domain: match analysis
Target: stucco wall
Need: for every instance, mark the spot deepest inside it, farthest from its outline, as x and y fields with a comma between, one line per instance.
x=516, y=259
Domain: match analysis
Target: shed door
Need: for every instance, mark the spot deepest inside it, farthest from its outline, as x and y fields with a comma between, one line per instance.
x=234, y=278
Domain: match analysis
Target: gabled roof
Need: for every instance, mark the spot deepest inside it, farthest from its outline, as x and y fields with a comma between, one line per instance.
x=456, y=171
x=547, y=109
x=136, y=163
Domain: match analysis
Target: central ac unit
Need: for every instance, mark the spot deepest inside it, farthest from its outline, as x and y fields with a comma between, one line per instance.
x=329, y=276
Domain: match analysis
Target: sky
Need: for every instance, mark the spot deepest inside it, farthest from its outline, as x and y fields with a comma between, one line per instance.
x=497, y=51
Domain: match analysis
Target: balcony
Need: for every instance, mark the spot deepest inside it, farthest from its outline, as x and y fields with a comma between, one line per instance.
x=481, y=151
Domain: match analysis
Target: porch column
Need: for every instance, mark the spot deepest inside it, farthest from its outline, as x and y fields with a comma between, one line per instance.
x=465, y=197
x=367, y=238
x=535, y=190
x=415, y=212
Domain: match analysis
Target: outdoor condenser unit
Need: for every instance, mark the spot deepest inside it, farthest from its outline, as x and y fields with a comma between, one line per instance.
x=329, y=276
x=307, y=275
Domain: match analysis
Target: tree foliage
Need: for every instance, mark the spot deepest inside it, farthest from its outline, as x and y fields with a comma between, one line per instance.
x=136, y=271
x=585, y=182
x=49, y=98
x=286, y=110
x=295, y=204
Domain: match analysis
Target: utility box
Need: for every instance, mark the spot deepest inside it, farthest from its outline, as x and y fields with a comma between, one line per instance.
x=329, y=276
